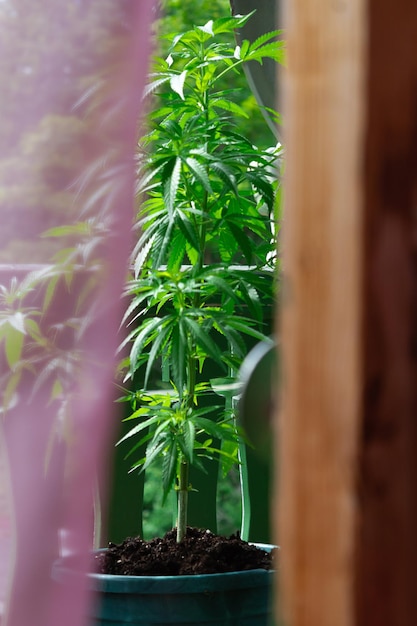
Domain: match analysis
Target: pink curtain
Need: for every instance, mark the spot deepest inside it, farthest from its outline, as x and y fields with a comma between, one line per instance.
x=71, y=75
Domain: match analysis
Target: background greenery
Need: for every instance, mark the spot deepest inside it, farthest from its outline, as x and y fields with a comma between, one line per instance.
x=29, y=186
x=52, y=133
x=157, y=519
x=45, y=130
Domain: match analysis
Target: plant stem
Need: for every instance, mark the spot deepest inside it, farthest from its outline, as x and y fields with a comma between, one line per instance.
x=183, y=489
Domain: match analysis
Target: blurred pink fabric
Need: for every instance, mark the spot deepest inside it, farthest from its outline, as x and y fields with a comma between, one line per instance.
x=71, y=76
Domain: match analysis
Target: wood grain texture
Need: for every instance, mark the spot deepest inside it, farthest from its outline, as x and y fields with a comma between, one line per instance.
x=387, y=537
x=320, y=321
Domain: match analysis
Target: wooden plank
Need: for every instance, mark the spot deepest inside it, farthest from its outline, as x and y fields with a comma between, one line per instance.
x=387, y=528
x=321, y=310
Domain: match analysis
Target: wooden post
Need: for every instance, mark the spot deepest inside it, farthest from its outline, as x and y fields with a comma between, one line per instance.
x=347, y=509
x=321, y=310
x=387, y=472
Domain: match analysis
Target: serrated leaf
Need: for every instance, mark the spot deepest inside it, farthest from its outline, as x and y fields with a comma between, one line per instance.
x=142, y=337
x=177, y=83
x=132, y=307
x=80, y=228
x=172, y=128
x=57, y=389
x=228, y=180
x=142, y=256
x=222, y=285
x=171, y=185
x=227, y=245
x=33, y=329
x=157, y=345
x=187, y=228
x=220, y=430
x=234, y=339
x=252, y=300
x=50, y=291
x=229, y=24
x=177, y=251
x=244, y=48
x=153, y=86
x=263, y=39
x=199, y=172
x=189, y=440
x=245, y=328
x=263, y=187
x=36, y=277
x=268, y=51
x=207, y=28
x=169, y=467
x=162, y=243
x=139, y=427
x=243, y=241
x=17, y=321
x=10, y=389
x=13, y=346
x=202, y=339
x=153, y=451
x=229, y=105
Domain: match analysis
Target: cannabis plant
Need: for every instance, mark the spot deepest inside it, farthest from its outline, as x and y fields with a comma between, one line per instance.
x=203, y=263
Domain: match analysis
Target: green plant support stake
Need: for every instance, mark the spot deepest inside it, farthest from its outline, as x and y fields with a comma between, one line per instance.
x=255, y=408
x=183, y=488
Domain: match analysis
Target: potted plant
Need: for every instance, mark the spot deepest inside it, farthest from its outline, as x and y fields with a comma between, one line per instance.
x=203, y=273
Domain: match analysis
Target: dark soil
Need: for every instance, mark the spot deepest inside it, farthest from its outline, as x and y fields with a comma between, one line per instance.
x=201, y=552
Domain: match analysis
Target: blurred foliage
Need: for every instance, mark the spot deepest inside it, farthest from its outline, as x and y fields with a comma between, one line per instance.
x=60, y=177
x=76, y=32
x=181, y=15
x=48, y=59
x=40, y=145
x=41, y=150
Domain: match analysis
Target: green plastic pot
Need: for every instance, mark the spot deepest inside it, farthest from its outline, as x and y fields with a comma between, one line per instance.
x=227, y=599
